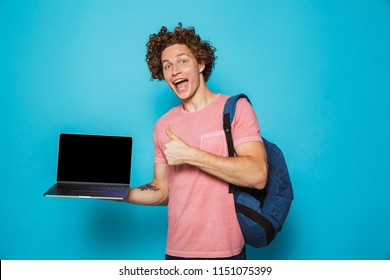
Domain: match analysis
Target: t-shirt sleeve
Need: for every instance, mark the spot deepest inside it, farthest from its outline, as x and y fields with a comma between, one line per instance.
x=245, y=126
x=158, y=149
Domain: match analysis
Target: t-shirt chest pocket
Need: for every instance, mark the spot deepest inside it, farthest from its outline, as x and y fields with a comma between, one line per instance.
x=214, y=142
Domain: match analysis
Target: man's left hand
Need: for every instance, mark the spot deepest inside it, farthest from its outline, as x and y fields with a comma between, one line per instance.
x=176, y=150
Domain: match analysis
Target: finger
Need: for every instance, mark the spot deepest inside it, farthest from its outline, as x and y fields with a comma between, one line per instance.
x=170, y=134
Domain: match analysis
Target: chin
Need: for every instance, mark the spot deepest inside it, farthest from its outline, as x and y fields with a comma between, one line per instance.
x=183, y=96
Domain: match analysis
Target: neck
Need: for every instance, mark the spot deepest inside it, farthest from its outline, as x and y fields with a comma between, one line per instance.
x=200, y=100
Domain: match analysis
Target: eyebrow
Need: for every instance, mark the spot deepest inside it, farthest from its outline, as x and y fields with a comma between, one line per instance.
x=180, y=54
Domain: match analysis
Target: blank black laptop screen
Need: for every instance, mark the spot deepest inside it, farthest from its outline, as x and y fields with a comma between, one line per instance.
x=96, y=159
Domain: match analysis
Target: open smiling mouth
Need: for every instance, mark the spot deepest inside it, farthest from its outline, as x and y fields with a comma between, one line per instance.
x=180, y=83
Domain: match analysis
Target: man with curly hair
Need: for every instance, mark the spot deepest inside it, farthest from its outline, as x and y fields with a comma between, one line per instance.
x=192, y=169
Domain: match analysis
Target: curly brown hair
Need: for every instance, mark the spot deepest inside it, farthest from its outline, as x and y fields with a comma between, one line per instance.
x=202, y=50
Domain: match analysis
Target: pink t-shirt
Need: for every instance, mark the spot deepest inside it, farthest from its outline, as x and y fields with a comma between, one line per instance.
x=201, y=216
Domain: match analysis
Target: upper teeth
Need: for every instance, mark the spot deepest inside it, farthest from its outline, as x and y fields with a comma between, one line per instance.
x=179, y=81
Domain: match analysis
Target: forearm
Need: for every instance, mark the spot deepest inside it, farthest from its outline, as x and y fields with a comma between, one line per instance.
x=248, y=169
x=154, y=193
x=244, y=170
x=148, y=194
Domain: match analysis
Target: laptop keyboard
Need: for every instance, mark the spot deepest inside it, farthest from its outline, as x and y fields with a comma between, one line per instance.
x=90, y=187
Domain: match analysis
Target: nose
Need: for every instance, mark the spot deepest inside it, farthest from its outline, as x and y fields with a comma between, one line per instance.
x=176, y=70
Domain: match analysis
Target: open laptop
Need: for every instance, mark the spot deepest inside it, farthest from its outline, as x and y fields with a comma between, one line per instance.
x=93, y=166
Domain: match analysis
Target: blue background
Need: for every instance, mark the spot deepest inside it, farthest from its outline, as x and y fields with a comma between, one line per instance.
x=317, y=73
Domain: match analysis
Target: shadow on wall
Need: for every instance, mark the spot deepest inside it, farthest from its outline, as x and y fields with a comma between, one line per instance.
x=116, y=230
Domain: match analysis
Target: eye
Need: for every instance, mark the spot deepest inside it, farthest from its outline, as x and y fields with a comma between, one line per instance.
x=166, y=66
x=183, y=61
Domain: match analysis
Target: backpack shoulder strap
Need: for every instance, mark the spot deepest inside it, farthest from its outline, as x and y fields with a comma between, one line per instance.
x=228, y=116
x=230, y=105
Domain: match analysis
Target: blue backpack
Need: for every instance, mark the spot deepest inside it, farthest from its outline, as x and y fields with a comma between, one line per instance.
x=260, y=213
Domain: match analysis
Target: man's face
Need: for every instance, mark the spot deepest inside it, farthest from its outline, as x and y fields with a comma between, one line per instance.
x=181, y=70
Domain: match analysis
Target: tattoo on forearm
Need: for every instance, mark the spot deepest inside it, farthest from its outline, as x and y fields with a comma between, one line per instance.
x=149, y=187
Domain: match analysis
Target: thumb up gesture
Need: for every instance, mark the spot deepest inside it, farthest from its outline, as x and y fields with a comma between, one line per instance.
x=176, y=150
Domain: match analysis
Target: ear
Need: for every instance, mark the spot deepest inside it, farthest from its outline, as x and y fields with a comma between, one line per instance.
x=202, y=66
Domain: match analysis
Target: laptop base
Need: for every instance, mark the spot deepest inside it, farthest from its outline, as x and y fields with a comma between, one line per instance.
x=56, y=191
